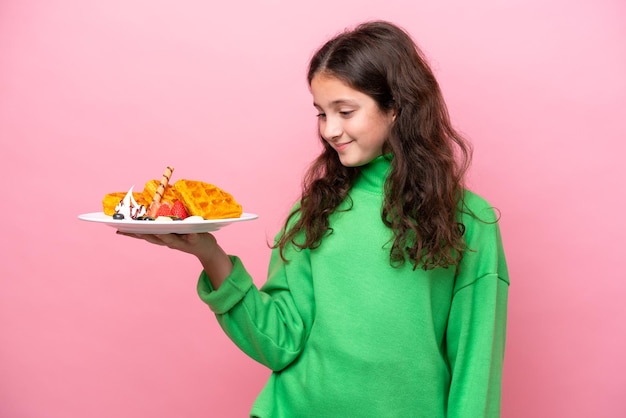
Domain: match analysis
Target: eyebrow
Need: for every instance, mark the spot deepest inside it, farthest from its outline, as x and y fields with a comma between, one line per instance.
x=338, y=102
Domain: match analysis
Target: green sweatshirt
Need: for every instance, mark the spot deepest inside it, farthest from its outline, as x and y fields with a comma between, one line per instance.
x=348, y=335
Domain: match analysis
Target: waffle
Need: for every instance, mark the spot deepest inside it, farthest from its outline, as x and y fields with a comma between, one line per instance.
x=206, y=200
x=149, y=190
x=111, y=200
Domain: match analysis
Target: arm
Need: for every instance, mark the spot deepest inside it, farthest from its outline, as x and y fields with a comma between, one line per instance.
x=214, y=260
x=477, y=321
x=270, y=325
x=475, y=348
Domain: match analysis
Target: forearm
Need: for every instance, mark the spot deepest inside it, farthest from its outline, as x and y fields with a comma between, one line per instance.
x=266, y=325
x=217, y=266
x=476, y=337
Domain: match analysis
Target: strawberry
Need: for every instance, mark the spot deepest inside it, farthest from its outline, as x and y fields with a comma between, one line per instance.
x=179, y=210
x=165, y=209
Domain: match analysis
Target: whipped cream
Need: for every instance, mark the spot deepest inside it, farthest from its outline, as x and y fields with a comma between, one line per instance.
x=129, y=206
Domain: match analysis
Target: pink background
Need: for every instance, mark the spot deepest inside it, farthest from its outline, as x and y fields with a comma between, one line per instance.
x=96, y=96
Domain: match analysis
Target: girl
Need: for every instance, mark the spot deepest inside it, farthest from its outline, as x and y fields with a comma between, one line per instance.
x=387, y=286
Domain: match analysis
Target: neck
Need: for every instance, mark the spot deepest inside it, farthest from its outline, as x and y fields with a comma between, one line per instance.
x=372, y=176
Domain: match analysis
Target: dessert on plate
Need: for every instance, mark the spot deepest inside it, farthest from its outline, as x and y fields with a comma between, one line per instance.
x=162, y=201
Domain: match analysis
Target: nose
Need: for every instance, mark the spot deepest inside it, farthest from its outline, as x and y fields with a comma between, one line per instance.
x=331, y=128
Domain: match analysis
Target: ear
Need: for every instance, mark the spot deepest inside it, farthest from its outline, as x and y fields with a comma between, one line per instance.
x=394, y=113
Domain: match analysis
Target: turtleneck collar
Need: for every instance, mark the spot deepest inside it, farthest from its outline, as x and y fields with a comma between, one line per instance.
x=372, y=175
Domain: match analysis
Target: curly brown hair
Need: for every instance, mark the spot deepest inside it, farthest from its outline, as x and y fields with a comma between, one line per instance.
x=424, y=189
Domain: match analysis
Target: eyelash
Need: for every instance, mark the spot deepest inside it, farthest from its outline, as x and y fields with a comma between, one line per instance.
x=345, y=114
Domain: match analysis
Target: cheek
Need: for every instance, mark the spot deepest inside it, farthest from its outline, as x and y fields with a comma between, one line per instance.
x=382, y=129
x=320, y=126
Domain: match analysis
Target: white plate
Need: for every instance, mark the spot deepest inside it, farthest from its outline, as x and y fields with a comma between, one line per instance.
x=160, y=227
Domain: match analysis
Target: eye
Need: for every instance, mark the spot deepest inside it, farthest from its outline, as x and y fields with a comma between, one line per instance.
x=321, y=115
x=346, y=113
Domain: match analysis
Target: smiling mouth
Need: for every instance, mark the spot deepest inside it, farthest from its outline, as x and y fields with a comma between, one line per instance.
x=339, y=147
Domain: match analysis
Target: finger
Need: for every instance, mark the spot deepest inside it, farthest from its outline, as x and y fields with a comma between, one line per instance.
x=151, y=238
x=176, y=241
x=126, y=234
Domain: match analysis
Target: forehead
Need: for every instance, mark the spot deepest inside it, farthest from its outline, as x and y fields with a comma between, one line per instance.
x=329, y=90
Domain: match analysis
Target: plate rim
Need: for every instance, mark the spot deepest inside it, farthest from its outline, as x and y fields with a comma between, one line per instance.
x=150, y=227
x=245, y=216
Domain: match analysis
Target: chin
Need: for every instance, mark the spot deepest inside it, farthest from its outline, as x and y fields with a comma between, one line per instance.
x=350, y=163
x=354, y=162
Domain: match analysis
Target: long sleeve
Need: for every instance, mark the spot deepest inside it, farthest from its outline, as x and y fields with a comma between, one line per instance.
x=476, y=331
x=266, y=324
x=475, y=342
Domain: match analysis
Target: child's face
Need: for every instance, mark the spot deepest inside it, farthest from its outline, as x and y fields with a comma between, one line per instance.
x=350, y=121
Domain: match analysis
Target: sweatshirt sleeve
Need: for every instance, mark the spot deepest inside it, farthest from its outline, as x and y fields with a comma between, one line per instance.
x=264, y=323
x=476, y=332
x=476, y=338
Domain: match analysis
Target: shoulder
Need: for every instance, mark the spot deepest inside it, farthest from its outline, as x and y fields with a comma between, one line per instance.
x=476, y=207
x=484, y=254
x=480, y=223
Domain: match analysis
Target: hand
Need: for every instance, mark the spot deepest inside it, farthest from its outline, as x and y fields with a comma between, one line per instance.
x=214, y=260
x=199, y=245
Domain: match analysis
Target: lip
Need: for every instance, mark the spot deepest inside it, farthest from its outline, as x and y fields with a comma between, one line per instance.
x=342, y=146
